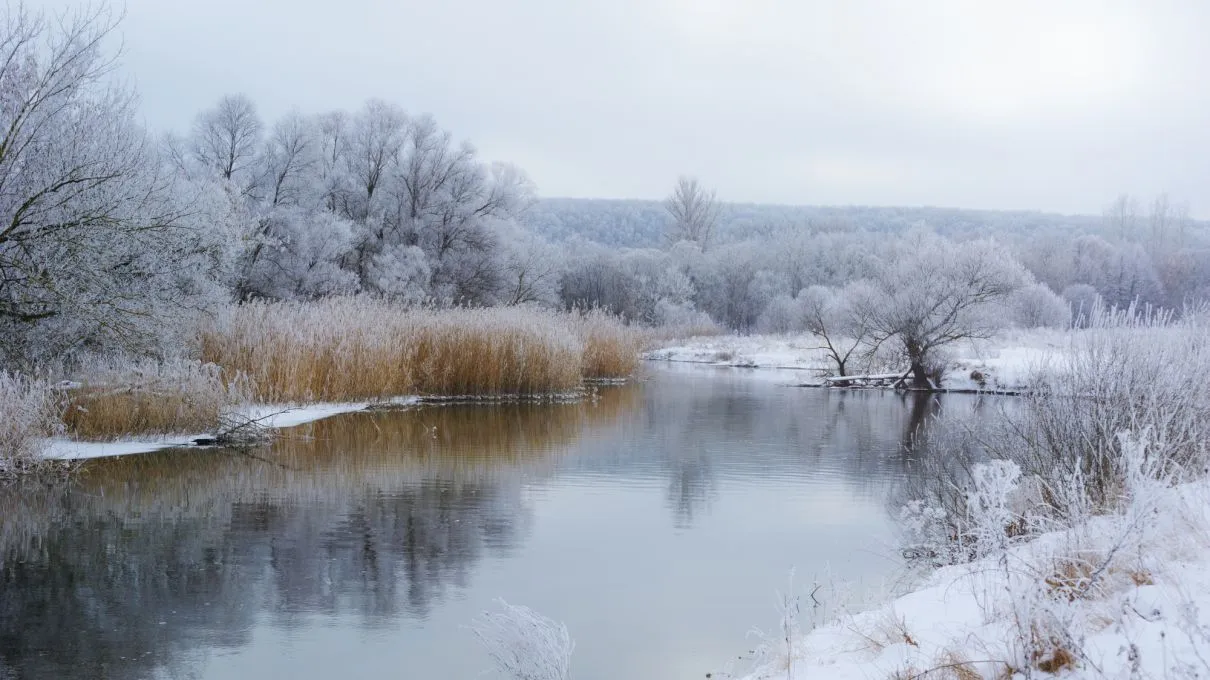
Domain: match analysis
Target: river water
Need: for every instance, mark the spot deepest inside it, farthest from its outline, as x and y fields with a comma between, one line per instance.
x=657, y=520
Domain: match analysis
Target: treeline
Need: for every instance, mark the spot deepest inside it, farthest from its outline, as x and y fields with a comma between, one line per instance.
x=111, y=236
x=1155, y=256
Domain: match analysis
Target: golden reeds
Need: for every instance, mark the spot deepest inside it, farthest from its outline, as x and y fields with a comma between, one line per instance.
x=358, y=348
x=349, y=349
x=119, y=398
x=611, y=349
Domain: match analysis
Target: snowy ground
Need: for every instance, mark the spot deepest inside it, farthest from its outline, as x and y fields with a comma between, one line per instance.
x=268, y=415
x=1126, y=596
x=1003, y=363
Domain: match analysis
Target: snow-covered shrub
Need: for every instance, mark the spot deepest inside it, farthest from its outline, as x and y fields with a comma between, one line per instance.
x=783, y=314
x=1129, y=372
x=30, y=409
x=1082, y=299
x=1037, y=306
x=120, y=396
x=683, y=317
x=524, y=644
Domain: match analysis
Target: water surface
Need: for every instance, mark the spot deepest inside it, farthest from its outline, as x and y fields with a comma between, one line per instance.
x=657, y=521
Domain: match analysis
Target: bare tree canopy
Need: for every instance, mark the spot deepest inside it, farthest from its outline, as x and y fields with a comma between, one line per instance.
x=935, y=292
x=93, y=234
x=694, y=210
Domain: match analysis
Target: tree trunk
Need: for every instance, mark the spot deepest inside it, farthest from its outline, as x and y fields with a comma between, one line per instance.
x=920, y=377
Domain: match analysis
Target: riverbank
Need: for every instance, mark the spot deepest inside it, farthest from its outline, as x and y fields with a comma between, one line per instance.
x=1000, y=364
x=269, y=417
x=1119, y=596
x=276, y=364
x=1088, y=557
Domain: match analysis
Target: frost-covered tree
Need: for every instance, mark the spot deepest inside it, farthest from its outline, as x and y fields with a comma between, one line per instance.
x=936, y=292
x=376, y=137
x=1037, y=306
x=1081, y=300
x=297, y=255
x=97, y=240
x=530, y=267
x=694, y=210
x=1122, y=217
x=1131, y=278
x=841, y=320
x=226, y=139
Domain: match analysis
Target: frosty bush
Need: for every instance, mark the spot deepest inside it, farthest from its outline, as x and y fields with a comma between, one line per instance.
x=1037, y=306
x=524, y=644
x=1131, y=371
x=30, y=415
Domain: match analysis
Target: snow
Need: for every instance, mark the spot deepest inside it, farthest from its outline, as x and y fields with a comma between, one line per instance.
x=1005, y=362
x=1147, y=616
x=269, y=415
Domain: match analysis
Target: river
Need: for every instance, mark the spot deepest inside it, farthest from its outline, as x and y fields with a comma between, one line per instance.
x=657, y=520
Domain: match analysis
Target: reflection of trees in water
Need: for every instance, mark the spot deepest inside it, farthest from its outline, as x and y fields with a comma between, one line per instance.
x=373, y=515
x=946, y=437
x=695, y=431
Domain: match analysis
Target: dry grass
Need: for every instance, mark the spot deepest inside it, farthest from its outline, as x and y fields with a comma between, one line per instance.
x=356, y=348
x=30, y=414
x=118, y=398
x=611, y=349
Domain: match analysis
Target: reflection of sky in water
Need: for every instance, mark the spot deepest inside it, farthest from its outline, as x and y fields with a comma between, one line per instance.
x=657, y=523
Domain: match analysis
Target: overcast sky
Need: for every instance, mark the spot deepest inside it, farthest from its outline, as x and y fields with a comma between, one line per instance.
x=1055, y=105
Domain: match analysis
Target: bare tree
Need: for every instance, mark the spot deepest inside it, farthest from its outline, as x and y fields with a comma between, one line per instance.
x=843, y=326
x=226, y=138
x=93, y=234
x=937, y=292
x=1122, y=217
x=694, y=211
x=1162, y=219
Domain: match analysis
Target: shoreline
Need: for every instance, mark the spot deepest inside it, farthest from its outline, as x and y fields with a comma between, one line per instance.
x=271, y=416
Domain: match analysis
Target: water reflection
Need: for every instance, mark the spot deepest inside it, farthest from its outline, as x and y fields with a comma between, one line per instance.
x=152, y=565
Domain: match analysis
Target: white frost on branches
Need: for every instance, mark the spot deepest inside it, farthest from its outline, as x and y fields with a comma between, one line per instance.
x=525, y=644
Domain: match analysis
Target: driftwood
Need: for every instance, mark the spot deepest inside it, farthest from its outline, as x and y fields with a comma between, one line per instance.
x=893, y=380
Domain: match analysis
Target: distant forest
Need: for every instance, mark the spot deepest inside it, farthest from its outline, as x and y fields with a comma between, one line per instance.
x=625, y=223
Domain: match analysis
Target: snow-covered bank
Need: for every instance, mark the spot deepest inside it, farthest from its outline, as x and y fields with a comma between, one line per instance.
x=1125, y=596
x=266, y=415
x=1002, y=363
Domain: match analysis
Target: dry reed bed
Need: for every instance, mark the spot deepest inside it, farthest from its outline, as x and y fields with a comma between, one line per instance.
x=346, y=349
x=120, y=397
x=611, y=349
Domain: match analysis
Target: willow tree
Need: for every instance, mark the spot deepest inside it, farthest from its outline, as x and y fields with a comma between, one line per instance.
x=934, y=293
